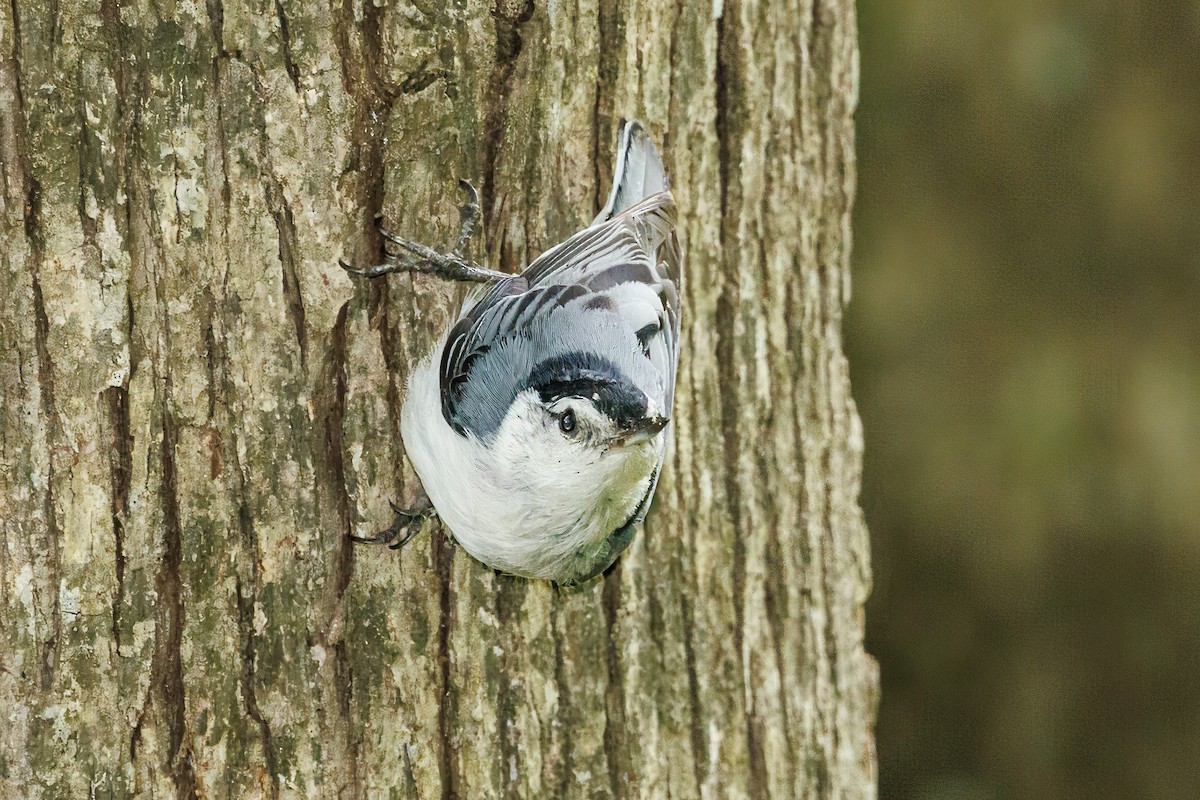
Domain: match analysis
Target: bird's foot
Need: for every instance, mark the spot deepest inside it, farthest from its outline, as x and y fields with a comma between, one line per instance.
x=404, y=255
x=405, y=525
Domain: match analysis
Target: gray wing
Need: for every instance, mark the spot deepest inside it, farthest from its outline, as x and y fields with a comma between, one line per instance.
x=617, y=282
x=618, y=279
x=630, y=265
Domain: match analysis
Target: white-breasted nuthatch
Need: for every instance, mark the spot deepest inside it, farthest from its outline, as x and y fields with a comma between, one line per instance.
x=538, y=424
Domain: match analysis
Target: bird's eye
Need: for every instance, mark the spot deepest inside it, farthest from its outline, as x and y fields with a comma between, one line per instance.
x=566, y=423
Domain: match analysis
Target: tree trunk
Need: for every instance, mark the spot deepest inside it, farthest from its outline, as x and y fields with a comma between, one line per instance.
x=200, y=405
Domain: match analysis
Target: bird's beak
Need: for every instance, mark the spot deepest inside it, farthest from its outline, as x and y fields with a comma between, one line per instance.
x=643, y=431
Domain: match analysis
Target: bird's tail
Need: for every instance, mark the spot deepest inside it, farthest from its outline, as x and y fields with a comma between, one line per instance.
x=639, y=172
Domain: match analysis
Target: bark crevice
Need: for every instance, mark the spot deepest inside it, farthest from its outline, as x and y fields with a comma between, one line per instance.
x=443, y=552
x=508, y=45
x=285, y=47
x=285, y=226
x=730, y=124
x=699, y=746
x=332, y=475
x=52, y=546
x=115, y=401
x=609, y=31
x=167, y=665
x=216, y=26
x=564, y=696
x=245, y=605
x=619, y=774
x=372, y=101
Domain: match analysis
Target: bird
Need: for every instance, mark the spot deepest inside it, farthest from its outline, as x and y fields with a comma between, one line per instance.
x=539, y=422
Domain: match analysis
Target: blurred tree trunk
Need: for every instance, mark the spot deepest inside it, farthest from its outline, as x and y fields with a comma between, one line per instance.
x=199, y=405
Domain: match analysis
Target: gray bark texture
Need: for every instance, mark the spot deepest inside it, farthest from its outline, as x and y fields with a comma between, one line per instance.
x=199, y=405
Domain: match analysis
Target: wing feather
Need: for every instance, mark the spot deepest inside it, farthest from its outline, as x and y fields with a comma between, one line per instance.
x=627, y=265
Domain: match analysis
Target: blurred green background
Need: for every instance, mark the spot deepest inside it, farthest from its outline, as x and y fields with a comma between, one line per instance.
x=1024, y=337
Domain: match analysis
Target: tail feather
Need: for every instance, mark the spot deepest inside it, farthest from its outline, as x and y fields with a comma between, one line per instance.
x=639, y=172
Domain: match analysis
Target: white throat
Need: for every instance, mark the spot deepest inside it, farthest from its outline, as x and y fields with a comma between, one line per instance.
x=511, y=506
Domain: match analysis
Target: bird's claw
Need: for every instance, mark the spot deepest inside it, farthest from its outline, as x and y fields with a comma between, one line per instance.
x=351, y=268
x=415, y=257
x=405, y=525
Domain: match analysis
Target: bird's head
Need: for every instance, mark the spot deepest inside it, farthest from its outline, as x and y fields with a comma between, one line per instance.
x=583, y=436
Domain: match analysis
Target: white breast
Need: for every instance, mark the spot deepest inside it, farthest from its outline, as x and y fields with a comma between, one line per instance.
x=501, y=508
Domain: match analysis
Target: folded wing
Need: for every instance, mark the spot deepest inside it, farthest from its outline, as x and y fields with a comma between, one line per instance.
x=625, y=266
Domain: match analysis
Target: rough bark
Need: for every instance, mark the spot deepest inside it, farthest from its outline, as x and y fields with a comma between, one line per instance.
x=199, y=405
